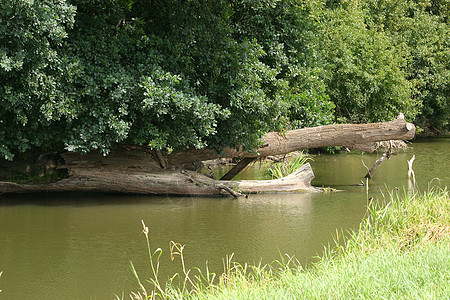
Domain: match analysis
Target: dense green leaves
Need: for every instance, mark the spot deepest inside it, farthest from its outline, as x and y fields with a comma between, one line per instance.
x=365, y=68
x=428, y=39
x=33, y=72
x=85, y=74
x=421, y=28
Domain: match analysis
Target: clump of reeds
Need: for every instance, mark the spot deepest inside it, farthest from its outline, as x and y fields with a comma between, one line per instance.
x=153, y=258
x=282, y=169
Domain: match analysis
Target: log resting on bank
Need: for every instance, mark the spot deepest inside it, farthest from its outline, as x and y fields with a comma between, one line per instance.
x=139, y=170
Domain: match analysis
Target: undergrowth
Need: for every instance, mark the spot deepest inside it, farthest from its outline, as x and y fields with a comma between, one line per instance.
x=37, y=177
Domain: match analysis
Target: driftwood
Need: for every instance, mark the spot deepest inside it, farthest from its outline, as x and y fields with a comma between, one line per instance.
x=140, y=170
x=411, y=183
x=410, y=168
x=377, y=163
x=174, y=182
x=386, y=155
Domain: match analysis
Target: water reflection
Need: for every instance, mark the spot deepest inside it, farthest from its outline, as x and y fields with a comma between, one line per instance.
x=84, y=246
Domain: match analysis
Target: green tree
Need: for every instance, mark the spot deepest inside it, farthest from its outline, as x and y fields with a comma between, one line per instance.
x=289, y=39
x=429, y=70
x=366, y=76
x=169, y=74
x=421, y=27
x=124, y=93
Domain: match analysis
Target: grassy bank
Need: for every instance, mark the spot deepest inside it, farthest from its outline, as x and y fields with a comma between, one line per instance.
x=401, y=251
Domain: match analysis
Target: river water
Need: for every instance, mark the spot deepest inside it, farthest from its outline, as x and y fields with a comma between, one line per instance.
x=79, y=246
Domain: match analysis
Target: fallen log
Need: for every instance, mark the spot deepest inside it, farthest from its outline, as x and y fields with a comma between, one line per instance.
x=140, y=170
x=171, y=182
x=274, y=143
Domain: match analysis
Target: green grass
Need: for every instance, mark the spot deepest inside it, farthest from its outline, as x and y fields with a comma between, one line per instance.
x=422, y=274
x=400, y=251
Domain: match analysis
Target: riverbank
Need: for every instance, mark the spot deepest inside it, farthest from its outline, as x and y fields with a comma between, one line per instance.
x=401, y=250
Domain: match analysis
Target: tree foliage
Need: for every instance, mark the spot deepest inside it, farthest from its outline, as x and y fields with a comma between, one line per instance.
x=172, y=74
x=422, y=29
x=366, y=75
x=33, y=72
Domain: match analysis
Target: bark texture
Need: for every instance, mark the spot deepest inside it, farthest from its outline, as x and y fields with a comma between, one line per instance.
x=348, y=135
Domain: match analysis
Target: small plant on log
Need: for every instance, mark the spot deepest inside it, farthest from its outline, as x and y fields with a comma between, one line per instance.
x=283, y=169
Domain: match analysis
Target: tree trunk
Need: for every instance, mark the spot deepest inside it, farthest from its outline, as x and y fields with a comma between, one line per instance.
x=132, y=169
x=274, y=143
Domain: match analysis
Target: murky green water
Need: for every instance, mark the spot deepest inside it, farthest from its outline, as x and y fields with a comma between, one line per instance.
x=78, y=246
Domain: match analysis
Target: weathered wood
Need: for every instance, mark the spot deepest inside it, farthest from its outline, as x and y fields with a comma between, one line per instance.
x=274, y=143
x=410, y=168
x=172, y=182
x=299, y=180
x=238, y=168
x=132, y=169
x=377, y=163
x=411, y=183
x=161, y=159
x=385, y=155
